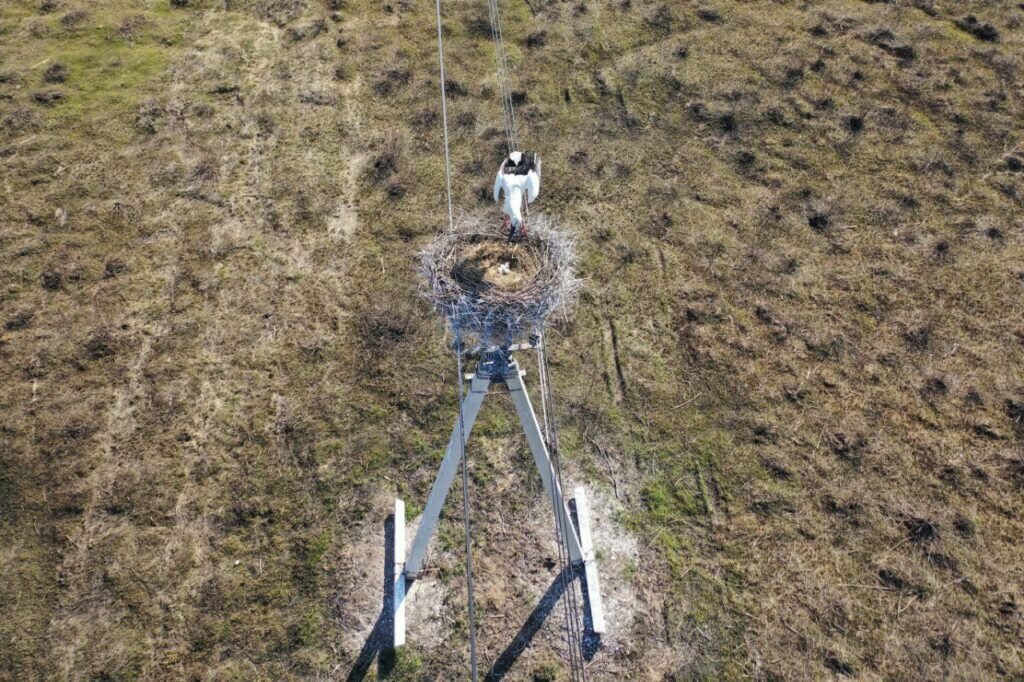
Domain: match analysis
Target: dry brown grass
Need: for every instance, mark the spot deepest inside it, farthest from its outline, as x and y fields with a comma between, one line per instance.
x=797, y=360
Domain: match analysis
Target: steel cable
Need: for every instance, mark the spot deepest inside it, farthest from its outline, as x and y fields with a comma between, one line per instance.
x=572, y=611
x=467, y=526
x=574, y=633
x=574, y=626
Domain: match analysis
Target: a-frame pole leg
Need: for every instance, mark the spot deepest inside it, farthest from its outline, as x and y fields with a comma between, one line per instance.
x=398, y=586
x=581, y=550
x=541, y=458
x=446, y=474
x=589, y=562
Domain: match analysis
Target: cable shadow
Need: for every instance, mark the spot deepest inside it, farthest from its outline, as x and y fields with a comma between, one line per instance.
x=378, y=642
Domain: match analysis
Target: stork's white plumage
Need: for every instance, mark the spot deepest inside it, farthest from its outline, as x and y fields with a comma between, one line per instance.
x=518, y=174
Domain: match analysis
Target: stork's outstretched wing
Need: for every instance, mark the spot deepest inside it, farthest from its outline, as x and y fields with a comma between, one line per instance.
x=497, y=183
x=532, y=186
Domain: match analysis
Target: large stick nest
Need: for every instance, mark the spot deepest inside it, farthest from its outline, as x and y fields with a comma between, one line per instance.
x=494, y=288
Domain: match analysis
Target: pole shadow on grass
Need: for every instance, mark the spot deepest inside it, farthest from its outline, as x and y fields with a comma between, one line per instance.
x=591, y=640
x=547, y=603
x=378, y=643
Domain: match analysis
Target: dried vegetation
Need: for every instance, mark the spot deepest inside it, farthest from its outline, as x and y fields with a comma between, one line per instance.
x=795, y=365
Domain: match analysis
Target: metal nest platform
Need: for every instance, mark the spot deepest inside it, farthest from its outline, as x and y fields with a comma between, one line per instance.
x=496, y=289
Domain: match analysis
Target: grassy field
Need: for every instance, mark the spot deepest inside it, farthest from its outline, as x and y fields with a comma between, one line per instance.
x=794, y=380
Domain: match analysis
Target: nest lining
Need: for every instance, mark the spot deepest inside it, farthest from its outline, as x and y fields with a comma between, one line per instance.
x=502, y=266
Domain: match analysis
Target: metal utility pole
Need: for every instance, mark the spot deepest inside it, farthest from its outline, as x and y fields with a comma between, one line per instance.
x=496, y=367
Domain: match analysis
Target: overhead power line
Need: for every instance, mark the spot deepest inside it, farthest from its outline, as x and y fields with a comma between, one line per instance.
x=467, y=525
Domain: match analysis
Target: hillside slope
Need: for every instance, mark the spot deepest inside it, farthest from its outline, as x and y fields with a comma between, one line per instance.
x=794, y=378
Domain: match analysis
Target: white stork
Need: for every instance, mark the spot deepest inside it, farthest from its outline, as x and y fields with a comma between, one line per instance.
x=520, y=171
